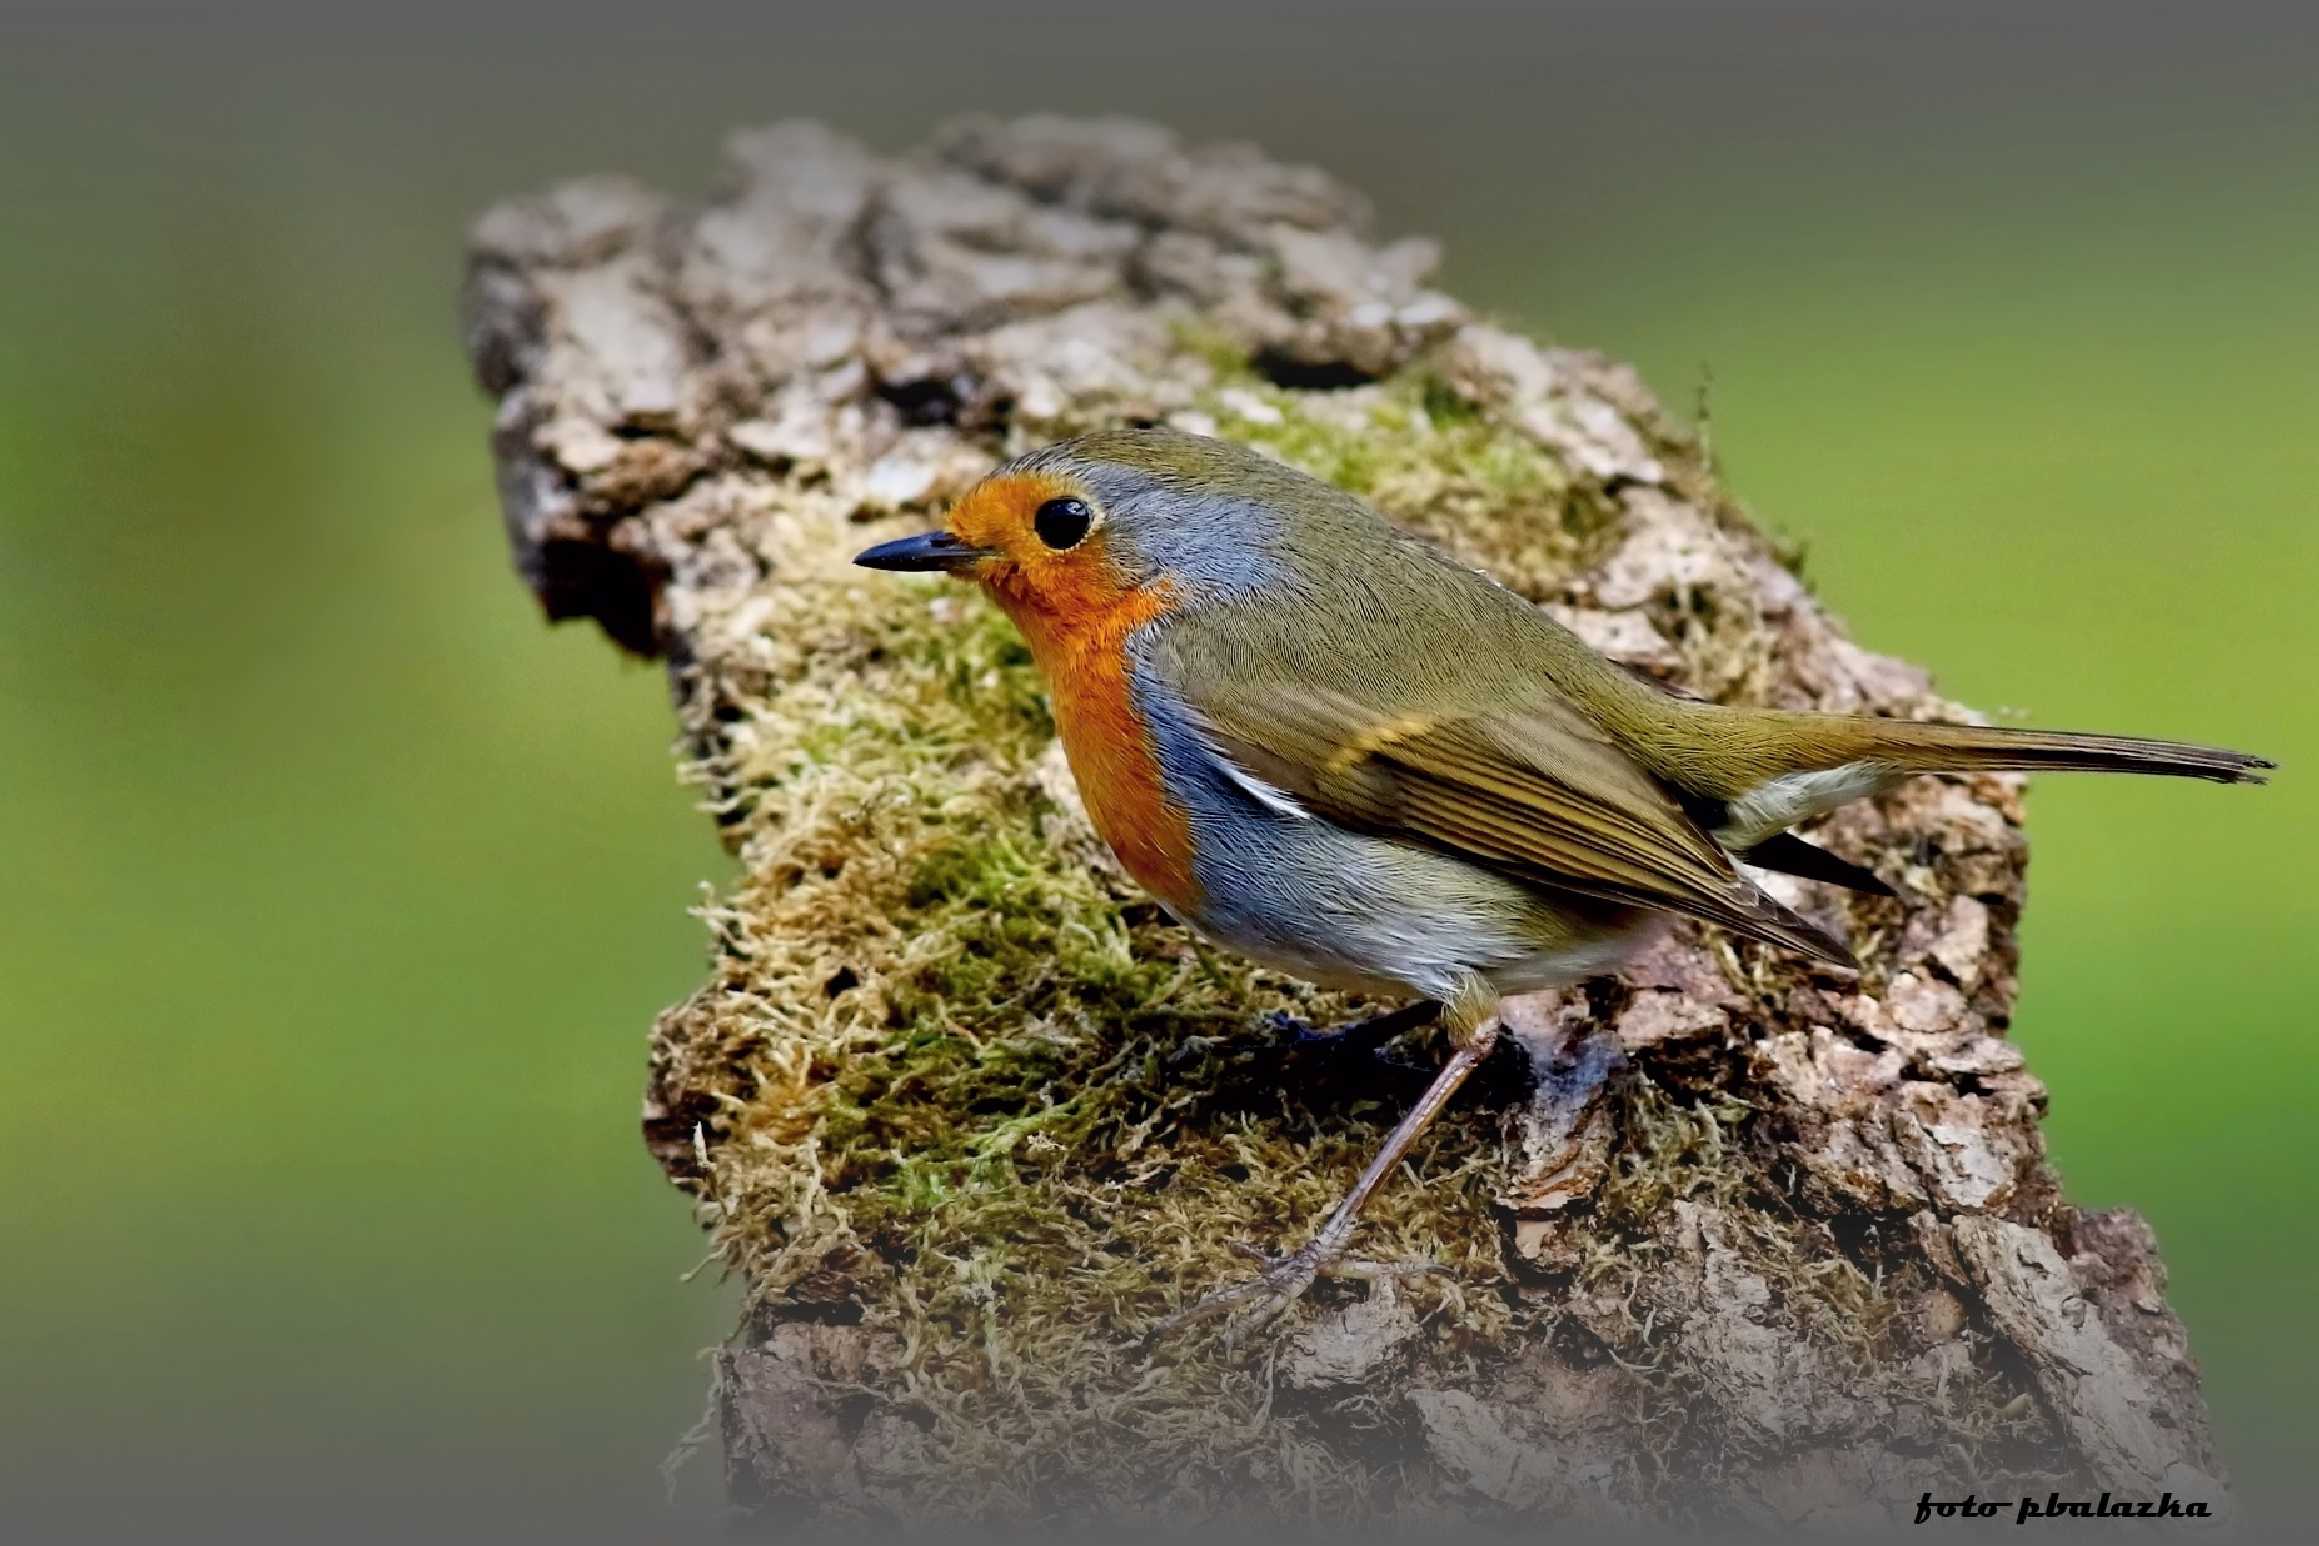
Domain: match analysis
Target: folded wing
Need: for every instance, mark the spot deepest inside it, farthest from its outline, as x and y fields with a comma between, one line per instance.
x=1529, y=788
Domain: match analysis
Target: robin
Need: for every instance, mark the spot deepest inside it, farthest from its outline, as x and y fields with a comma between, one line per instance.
x=1328, y=746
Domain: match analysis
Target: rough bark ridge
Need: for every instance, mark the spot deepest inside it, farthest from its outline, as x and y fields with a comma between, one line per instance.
x=969, y=1115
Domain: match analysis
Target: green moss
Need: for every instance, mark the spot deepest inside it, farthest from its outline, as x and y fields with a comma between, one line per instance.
x=1226, y=356
x=1669, y=1149
x=1445, y=407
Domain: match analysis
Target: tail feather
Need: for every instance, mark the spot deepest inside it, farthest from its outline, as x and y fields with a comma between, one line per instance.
x=1747, y=774
x=1911, y=747
x=1791, y=855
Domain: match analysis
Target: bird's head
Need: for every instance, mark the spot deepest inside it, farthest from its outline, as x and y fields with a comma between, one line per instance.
x=1069, y=535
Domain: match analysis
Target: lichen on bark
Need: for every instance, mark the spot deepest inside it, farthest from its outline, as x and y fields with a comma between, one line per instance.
x=967, y=1114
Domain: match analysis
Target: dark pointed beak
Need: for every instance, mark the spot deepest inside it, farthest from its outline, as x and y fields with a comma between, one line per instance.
x=927, y=550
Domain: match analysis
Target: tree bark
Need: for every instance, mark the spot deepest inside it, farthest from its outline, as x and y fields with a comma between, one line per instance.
x=968, y=1115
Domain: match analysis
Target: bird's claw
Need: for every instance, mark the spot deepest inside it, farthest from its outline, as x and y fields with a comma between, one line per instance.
x=1255, y=1300
x=1283, y=1281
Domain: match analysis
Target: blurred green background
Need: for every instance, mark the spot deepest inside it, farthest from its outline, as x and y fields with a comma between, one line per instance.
x=341, y=891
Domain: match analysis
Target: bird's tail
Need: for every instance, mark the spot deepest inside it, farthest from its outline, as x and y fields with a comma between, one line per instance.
x=1910, y=747
x=1752, y=773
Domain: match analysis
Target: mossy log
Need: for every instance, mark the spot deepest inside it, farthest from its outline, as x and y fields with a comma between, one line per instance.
x=968, y=1115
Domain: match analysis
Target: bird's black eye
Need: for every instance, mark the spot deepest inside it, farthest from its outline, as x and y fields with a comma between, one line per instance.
x=1060, y=523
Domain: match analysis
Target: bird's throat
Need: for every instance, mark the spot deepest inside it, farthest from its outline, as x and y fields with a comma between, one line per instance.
x=1103, y=731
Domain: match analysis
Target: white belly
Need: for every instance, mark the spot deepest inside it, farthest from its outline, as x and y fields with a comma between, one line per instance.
x=1370, y=915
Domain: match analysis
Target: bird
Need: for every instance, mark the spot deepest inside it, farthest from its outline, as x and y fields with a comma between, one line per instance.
x=1325, y=744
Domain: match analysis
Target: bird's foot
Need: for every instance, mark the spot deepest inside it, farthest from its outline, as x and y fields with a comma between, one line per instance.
x=1284, y=1280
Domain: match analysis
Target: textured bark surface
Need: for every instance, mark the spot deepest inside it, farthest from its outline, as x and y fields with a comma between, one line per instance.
x=969, y=1115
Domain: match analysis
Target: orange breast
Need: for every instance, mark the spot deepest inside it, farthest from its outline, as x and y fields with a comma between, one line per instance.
x=1111, y=753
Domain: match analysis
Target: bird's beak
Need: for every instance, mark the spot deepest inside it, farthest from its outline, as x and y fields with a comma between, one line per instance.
x=928, y=550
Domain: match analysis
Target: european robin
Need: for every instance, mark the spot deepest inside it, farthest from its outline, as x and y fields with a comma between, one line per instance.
x=1330, y=747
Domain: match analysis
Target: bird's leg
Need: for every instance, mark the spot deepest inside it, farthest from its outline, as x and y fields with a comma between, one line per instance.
x=1474, y=1030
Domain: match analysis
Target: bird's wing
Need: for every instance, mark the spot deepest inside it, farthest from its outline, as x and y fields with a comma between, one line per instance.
x=1528, y=787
